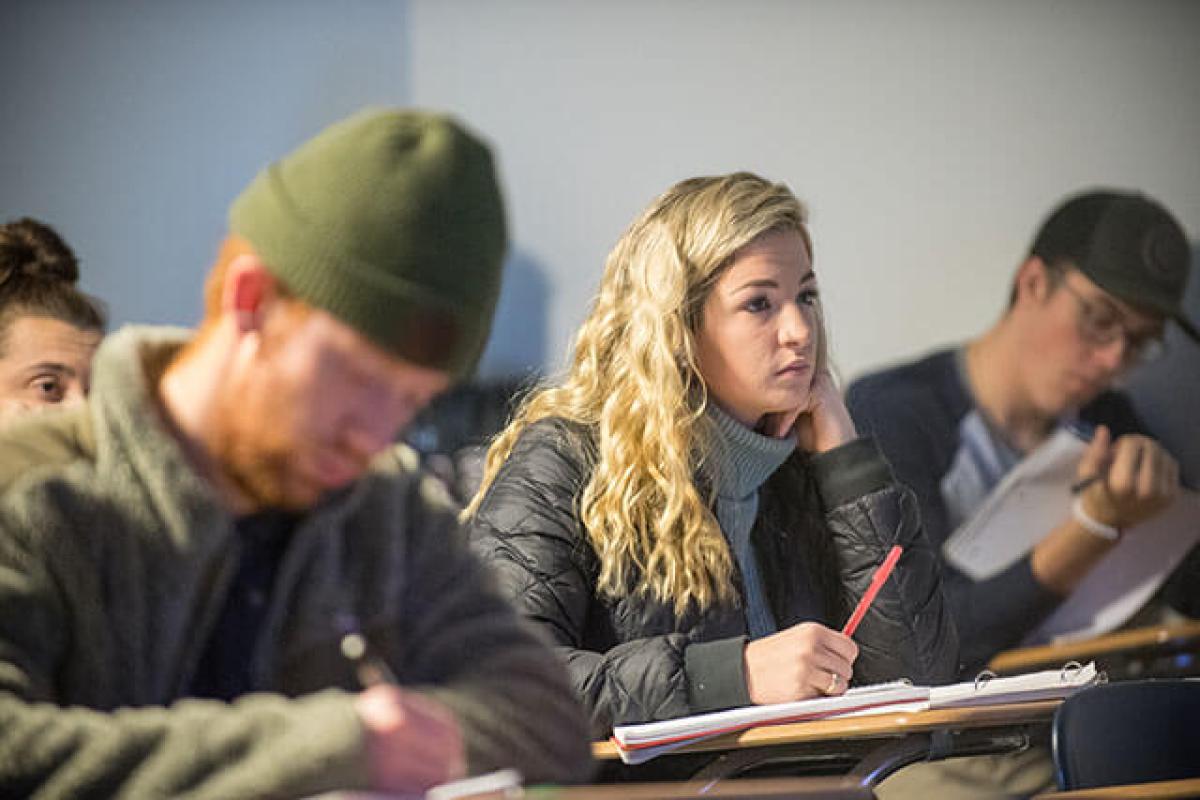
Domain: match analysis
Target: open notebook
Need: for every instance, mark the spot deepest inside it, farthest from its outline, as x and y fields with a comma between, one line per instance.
x=642, y=742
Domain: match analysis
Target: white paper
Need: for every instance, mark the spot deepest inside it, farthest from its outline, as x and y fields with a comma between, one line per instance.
x=638, y=743
x=1128, y=576
x=1031, y=500
x=1035, y=498
x=502, y=782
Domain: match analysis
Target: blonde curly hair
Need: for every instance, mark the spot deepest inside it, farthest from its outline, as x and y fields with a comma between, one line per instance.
x=634, y=379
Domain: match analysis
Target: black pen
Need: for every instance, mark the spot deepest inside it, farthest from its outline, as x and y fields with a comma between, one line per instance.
x=1083, y=483
x=369, y=667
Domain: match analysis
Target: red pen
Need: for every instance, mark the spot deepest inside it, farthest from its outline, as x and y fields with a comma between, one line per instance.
x=877, y=581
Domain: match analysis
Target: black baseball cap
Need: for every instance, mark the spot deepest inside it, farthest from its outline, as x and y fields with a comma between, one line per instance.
x=1127, y=244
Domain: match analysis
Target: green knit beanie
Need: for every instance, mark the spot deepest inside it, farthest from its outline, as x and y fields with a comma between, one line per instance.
x=392, y=222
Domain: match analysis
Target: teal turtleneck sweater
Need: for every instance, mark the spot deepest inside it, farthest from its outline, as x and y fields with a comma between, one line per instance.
x=741, y=461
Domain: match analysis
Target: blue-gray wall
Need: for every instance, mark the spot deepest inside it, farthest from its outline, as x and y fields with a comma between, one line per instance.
x=130, y=124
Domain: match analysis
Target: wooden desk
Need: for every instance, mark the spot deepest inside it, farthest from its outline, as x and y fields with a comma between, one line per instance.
x=744, y=789
x=1139, y=652
x=869, y=747
x=1132, y=791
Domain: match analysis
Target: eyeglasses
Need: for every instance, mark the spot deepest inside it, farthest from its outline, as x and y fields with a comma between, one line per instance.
x=1102, y=326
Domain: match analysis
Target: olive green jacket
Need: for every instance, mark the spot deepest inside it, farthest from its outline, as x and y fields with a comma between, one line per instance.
x=115, y=558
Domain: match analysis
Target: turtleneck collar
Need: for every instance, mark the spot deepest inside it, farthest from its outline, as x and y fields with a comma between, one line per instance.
x=742, y=459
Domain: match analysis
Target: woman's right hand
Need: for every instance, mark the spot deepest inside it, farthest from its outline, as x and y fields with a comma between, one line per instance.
x=803, y=661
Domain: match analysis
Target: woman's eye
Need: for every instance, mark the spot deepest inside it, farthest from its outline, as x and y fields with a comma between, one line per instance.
x=809, y=297
x=757, y=304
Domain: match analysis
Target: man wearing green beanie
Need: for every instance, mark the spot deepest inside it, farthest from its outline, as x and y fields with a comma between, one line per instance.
x=206, y=569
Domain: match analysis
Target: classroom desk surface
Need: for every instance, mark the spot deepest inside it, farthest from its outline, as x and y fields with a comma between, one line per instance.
x=869, y=747
x=737, y=789
x=1189, y=787
x=1115, y=648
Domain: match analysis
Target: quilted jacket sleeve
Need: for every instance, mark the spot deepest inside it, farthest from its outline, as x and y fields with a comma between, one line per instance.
x=908, y=631
x=526, y=528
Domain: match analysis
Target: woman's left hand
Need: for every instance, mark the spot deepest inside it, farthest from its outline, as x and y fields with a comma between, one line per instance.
x=823, y=424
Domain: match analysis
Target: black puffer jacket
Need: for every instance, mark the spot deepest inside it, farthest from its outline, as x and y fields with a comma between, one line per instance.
x=635, y=659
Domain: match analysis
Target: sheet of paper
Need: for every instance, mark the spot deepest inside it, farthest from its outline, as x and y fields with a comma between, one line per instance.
x=1127, y=577
x=1034, y=499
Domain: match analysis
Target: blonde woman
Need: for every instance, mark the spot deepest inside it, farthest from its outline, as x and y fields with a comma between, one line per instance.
x=689, y=514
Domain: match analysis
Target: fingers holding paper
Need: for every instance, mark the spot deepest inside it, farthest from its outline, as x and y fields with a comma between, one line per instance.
x=804, y=661
x=1138, y=479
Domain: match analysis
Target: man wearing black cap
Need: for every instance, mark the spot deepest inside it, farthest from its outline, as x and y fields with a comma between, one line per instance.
x=1106, y=272
x=218, y=578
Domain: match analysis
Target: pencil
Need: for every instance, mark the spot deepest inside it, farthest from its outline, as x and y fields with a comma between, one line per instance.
x=370, y=669
x=877, y=581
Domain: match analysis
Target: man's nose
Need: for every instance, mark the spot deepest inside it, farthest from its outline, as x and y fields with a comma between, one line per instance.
x=74, y=394
x=377, y=424
x=1115, y=355
x=363, y=442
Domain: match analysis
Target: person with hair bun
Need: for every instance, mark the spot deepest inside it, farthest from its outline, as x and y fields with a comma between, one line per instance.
x=48, y=328
x=689, y=514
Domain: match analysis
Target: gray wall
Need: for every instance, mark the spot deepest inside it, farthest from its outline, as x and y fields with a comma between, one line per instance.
x=929, y=137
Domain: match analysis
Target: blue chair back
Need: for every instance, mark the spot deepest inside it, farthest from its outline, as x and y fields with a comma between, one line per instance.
x=1129, y=732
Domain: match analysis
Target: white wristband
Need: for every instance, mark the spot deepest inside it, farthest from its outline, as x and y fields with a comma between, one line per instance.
x=1092, y=526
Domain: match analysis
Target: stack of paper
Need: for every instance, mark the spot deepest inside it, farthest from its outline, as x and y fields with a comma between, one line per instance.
x=638, y=743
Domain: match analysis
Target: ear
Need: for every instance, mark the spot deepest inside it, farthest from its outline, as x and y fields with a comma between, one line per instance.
x=1033, y=280
x=249, y=288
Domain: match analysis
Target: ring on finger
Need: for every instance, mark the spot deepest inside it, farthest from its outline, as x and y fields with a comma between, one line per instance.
x=833, y=683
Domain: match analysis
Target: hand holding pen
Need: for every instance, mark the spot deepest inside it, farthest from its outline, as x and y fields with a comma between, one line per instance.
x=1123, y=482
x=809, y=659
x=412, y=741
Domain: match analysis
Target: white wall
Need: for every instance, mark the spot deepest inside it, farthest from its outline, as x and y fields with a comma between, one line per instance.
x=929, y=137
x=130, y=125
